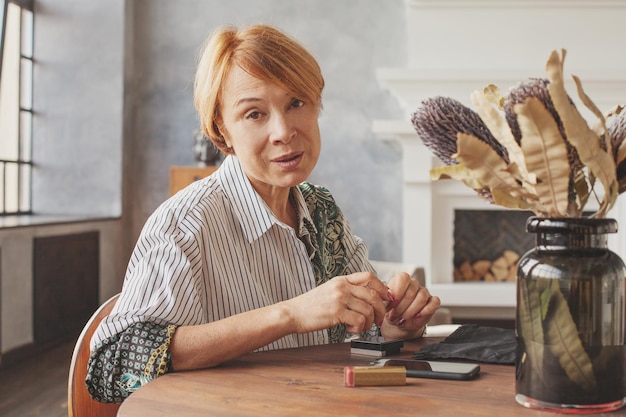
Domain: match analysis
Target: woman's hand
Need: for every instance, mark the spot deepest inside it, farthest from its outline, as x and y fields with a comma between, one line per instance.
x=411, y=308
x=358, y=300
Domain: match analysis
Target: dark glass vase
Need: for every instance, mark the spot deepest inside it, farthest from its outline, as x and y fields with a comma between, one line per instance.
x=570, y=318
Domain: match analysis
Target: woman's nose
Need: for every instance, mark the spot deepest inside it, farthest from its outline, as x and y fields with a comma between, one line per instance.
x=281, y=129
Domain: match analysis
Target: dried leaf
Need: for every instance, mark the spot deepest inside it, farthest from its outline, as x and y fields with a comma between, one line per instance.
x=531, y=327
x=600, y=127
x=564, y=342
x=492, y=93
x=581, y=189
x=546, y=155
x=545, y=302
x=611, y=193
x=614, y=111
x=601, y=124
x=578, y=133
x=531, y=178
x=500, y=130
x=602, y=131
x=457, y=172
x=487, y=166
x=507, y=200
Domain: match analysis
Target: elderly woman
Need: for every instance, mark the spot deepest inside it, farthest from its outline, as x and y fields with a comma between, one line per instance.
x=252, y=257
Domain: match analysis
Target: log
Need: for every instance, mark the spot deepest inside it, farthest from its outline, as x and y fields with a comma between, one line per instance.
x=501, y=269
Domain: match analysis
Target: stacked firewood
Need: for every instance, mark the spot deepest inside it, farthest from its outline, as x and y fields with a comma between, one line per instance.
x=501, y=269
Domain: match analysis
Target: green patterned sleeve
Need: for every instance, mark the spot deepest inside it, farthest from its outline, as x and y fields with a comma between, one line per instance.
x=128, y=360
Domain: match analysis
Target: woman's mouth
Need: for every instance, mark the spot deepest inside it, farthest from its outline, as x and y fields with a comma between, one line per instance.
x=289, y=161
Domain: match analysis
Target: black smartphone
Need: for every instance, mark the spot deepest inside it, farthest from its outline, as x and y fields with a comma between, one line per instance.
x=434, y=369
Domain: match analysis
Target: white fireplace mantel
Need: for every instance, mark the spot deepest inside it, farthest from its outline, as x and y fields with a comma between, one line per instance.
x=442, y=35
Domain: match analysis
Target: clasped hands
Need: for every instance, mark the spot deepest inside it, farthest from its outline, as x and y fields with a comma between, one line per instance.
x=401, y=308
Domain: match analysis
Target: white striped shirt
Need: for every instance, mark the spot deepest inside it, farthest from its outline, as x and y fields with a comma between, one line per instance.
x=215, y=249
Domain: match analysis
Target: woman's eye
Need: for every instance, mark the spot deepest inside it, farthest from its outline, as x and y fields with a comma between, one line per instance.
x=295, y=103
x=254, y=115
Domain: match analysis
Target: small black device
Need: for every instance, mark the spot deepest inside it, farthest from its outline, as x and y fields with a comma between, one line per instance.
x=433, y=369
x=376, y=347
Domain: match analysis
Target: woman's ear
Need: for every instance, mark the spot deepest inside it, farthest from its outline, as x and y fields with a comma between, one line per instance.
x=224, y=136
x=218, y=125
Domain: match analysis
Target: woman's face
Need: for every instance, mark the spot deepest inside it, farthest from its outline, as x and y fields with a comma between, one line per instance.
x=274, y=134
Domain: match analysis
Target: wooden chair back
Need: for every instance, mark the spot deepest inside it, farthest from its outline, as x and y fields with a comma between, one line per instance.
x=79, y=402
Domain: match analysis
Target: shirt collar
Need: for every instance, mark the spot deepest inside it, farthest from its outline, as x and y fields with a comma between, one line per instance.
x=305, y=221
x=306, y=227
x=253, y=214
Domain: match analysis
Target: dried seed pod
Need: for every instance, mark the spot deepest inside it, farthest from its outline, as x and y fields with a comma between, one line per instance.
x=616, y=127
x=538, y=88
x=533, y=87
x=439, y=119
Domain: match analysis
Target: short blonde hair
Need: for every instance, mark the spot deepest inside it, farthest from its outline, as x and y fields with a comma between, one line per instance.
x=265, y=53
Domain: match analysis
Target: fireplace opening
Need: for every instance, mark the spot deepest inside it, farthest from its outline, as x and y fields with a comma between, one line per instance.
x=489, y=243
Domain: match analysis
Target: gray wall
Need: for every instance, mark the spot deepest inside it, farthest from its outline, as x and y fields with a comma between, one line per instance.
x=78, y=101
x=349, y=38
x=113, y=111
x=113, y=102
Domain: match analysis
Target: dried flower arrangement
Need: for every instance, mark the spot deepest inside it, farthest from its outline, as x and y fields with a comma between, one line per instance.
x=530, y=150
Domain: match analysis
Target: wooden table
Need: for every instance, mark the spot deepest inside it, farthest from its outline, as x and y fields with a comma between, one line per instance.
x=310, y=382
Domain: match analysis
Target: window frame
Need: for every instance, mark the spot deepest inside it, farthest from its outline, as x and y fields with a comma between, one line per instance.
x=23, y=163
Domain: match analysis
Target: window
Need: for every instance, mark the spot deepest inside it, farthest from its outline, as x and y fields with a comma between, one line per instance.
x=16, y=106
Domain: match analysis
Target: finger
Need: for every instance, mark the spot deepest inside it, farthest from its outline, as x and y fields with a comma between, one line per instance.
x=398, y=286
x=354, y=323
x=362, y=315
x=430, y=308
x=369, y=280
x=404, y=289
x=418, y=313
x=413, y=301
x=425, y=314
x=366, y=300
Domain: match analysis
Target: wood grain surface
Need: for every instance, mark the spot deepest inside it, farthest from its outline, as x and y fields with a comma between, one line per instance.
x=310, y=382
